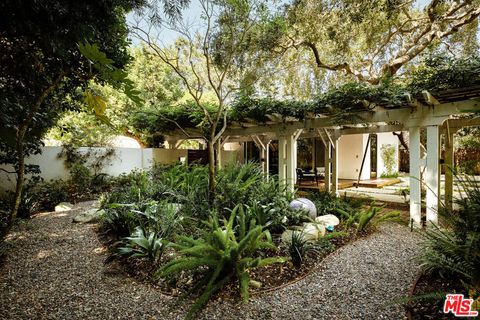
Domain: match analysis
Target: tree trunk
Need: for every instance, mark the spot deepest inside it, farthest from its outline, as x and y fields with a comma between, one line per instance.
x=211, y=169
x=20, y=174
x=20, y=145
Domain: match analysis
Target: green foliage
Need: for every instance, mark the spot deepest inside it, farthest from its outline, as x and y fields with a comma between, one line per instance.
x=469, y=167
x=43, y=71
x=388, y=156
x=42, y=196
x=328, y=203
x=452, y=249
x=226, y=252
x=363, y=218
x=438, y=72
x=298, y=247
x=267, y=201
x=443, y=72
x=142, y=245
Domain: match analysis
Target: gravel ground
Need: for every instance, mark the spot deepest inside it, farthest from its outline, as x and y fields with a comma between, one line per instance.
x=55, y=270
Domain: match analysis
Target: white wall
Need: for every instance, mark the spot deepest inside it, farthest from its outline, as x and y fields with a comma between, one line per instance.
x=167, y=156
x=386, y=138
x=350, y=153
x=123, y=161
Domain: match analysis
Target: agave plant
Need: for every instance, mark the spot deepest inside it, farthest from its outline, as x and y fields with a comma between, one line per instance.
x=227, y=252
x=141, y=244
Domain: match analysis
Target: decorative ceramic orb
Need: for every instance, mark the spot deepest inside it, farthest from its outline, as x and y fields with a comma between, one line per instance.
x=304, y=204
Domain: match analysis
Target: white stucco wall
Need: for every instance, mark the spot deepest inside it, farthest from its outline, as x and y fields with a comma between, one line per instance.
x=167, y=156
x=123, y=161
x=350, y=153
x=386, y=138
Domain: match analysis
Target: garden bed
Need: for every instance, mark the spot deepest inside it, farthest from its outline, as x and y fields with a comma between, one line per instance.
x=272, y=277
x=428, y=296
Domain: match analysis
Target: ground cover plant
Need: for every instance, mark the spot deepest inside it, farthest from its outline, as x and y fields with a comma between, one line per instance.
x=85, y=181
x=450, y=258
x=164, y=226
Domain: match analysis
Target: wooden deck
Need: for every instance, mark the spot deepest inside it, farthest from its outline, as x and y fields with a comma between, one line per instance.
x=305, y=185
x=378, y=183
x=344, y=183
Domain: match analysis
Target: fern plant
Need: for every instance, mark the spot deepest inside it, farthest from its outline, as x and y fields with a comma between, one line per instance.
x=226, y=252
x=453, y=248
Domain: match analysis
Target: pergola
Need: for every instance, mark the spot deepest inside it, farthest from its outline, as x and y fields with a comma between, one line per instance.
x=438, y=112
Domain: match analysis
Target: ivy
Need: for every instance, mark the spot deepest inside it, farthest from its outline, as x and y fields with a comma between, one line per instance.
x=437, y=73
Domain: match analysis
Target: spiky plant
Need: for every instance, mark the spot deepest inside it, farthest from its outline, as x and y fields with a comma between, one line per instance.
x=366, y=217
x=299, y=247
x=226, y=252
x=453, y=248
x=141, y=244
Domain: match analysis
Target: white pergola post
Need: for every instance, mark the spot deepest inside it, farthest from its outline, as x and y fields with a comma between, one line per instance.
x=294, y=154
x=267, y=159
x=219, y=154
x=327, y=162
x=335, y=167
x=448, y=162
x=263, y=146
x=282, y=152
x=291, y=151
x=415, y=183
x=432, y=177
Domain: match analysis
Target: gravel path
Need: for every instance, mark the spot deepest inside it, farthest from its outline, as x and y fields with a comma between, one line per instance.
x=55, y=270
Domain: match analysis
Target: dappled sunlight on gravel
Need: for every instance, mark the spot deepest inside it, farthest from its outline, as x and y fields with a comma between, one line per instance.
x=55, y=270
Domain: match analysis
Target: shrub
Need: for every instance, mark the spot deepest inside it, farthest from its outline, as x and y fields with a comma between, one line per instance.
x=277, y=216
x=361, y=219
x=39, y=195
x=161, y=218
x=388, y=152
x=452, y=248
x=119, y=219
x=141, y=244
x=268, y=201
x=226, y=253
x=298, y=247
x=328, y=203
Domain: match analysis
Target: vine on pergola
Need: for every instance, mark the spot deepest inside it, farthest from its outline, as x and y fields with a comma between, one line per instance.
x=437, y=73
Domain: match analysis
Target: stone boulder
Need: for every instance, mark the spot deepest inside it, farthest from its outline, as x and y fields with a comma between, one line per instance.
x=287, y=235
x=328, y=220
x=310, y=232
x=89, y=216
x=63, y=206
x=313, y=231
x=306, y=205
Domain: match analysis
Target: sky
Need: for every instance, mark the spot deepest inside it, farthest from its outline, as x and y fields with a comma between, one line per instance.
x=168, y=37
x=192, y=14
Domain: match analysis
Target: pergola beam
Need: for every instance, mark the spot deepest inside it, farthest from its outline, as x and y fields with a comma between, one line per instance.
x=408, y=116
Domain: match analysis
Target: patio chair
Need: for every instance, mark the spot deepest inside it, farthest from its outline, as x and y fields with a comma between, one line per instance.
x=303, y=176
x=300, y=176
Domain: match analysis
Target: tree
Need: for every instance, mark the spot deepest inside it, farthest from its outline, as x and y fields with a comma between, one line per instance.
x=42, y=68
x=370, y=40
x=209, y=59
x=158, y=87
